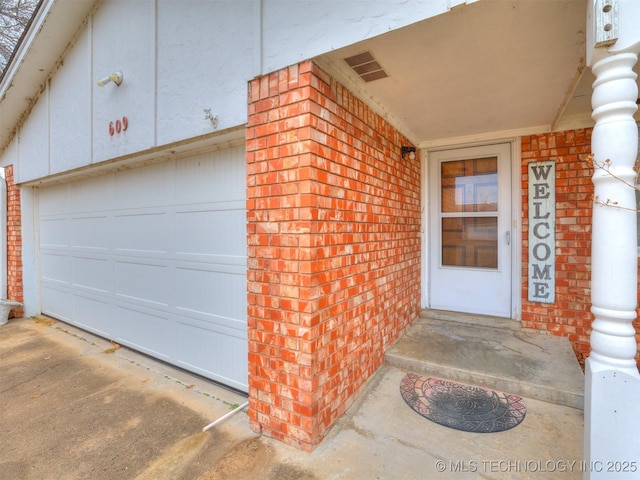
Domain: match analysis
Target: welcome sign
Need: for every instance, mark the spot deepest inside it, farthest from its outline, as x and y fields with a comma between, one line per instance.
x=542, y=231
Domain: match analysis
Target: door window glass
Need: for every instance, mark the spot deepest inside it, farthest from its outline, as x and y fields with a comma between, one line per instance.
x=469, y=213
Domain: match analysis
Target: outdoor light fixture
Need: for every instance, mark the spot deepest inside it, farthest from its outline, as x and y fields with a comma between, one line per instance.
x=114, y=77
x=410, y=150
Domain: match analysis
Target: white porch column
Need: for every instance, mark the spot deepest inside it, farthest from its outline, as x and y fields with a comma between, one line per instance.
x=612, y=382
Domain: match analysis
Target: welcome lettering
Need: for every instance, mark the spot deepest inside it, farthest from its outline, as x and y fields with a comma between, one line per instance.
x=542, y=237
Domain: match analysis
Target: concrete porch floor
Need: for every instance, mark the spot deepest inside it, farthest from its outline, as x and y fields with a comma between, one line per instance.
x=491, y=352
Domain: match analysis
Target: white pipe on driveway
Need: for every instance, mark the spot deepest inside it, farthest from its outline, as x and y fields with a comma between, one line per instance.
x=225, y=416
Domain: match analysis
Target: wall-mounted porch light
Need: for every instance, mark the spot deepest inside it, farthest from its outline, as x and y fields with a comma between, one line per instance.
x=408, y=150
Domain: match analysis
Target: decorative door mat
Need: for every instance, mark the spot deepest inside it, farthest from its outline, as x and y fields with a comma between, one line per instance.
x=463, y=407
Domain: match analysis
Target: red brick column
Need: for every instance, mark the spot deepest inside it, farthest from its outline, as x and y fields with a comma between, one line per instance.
x=14, y=243
x=334, y=249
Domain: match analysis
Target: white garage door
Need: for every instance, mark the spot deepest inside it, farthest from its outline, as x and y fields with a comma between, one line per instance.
x=154, y=258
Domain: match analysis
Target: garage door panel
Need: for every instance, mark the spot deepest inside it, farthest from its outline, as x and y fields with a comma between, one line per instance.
x=143, y=283
x=194, y=292
x=89, y=232
x=154, y=258
x=55, y=201
x=92, y=273
x=219, y=233
x=147, y=187
x=142, y=232
x=225, y=199
x=55, y=268
x=229, y=327
x=198, y=177
x=95, y=314
x=149, y=331
x=54, y=232
x=208, y=347
x=94, y=194
x=224, y=263
x=234, y=327
x=57, y=302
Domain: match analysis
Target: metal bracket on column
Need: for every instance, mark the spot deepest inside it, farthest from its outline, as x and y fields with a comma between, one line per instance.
x=606, y=18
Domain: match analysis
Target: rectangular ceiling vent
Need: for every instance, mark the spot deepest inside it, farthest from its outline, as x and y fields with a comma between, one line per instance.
x=366, y=66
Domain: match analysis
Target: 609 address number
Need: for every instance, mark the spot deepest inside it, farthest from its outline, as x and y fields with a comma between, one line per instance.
x=118, y=126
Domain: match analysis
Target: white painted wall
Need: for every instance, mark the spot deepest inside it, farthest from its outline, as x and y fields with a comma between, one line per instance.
x=70, y=110
x=295, y=30
x=179, y=58
x=33, y=143
x=10, y=155
x=204, y=61
x=123, y=38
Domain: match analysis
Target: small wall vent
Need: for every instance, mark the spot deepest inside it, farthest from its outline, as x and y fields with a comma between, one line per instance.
x=366, y=66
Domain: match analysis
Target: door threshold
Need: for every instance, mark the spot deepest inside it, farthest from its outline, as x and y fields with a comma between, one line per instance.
x=470, y=318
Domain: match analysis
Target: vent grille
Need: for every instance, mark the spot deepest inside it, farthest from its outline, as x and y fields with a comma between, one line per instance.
x=366, y=66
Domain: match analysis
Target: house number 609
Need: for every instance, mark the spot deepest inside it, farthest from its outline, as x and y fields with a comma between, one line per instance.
x=118, y=126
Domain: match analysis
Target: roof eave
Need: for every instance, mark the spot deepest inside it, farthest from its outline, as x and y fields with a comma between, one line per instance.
x=52, y=29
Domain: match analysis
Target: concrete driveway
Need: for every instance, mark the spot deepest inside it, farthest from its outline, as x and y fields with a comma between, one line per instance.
x=78, y=407
x=75, y=406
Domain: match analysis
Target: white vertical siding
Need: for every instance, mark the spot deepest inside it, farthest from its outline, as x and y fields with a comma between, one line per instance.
x=124, y=39
x=70, y=110
x=33, y=143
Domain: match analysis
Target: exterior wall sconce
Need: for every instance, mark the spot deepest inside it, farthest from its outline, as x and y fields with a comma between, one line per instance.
x=408, y=150
x=114, y=77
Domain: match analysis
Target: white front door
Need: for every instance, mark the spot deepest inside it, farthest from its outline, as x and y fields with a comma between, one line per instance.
x=470, y=225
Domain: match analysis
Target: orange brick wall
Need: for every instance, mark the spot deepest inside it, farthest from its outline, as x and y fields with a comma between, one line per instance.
x=570, y=315
x=14, y=242
x=333, y=249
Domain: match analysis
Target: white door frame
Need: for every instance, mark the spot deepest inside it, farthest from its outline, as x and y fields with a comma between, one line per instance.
x=516, y=215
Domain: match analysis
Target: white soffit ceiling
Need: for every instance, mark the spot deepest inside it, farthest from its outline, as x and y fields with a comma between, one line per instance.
x=492, y=66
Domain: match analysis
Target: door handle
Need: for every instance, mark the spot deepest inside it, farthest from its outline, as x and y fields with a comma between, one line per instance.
x=508, y=236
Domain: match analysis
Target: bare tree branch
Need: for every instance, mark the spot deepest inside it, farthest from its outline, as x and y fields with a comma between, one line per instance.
x=605, y=166
x=14, y=17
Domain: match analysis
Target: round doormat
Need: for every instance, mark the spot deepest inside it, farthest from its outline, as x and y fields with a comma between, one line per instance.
x=463, y=407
